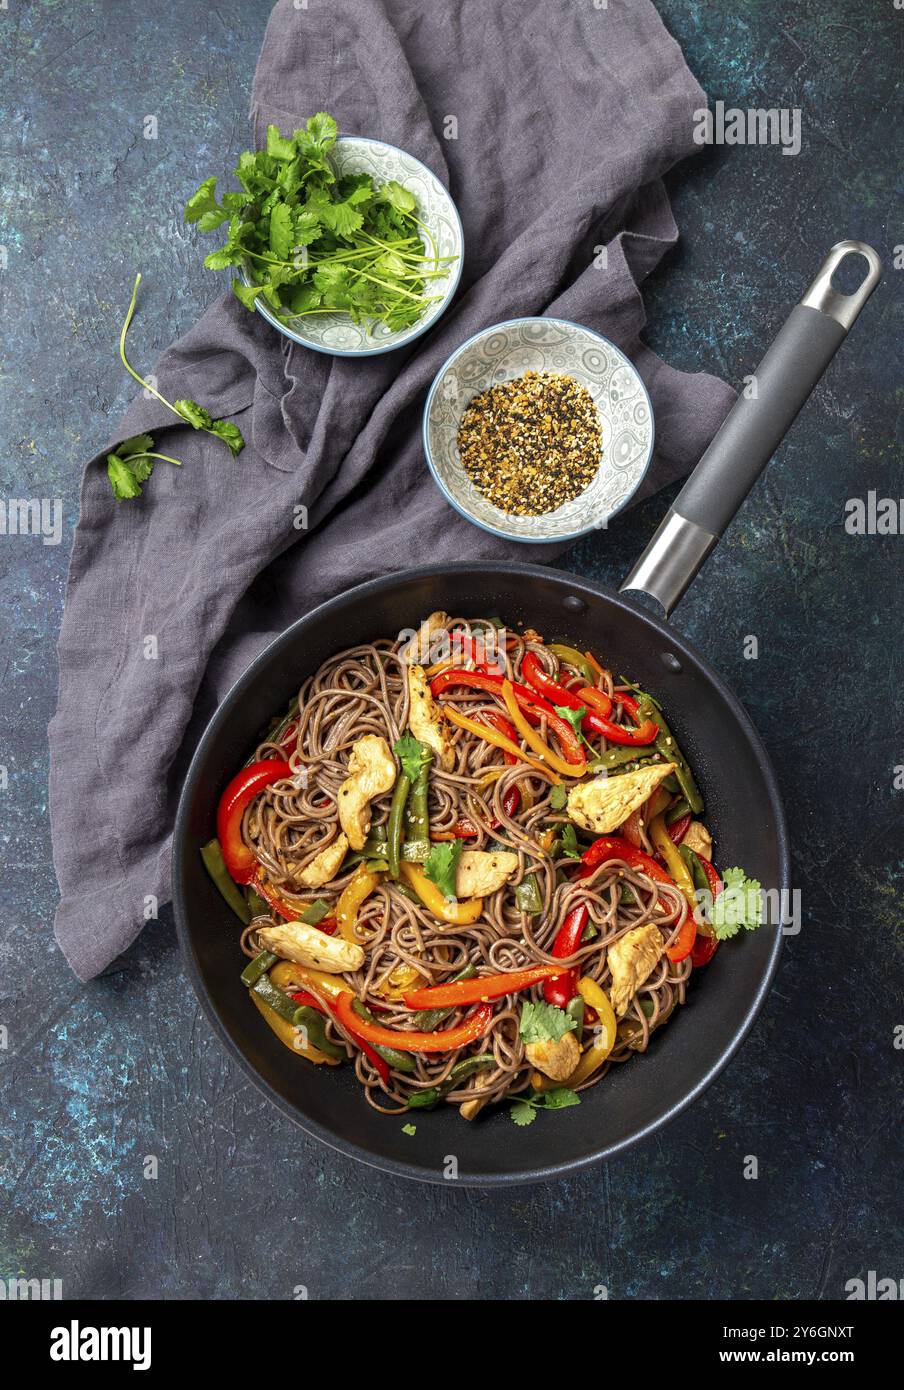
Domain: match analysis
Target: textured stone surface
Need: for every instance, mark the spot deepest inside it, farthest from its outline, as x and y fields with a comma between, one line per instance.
x=95, y=1078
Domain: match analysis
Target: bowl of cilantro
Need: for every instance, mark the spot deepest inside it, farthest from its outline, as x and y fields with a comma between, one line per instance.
x=345, y=244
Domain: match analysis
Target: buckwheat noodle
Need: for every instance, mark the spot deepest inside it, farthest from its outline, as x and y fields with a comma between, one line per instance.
x=364, y=690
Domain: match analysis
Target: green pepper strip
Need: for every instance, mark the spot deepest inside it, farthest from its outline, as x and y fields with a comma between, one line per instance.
x=527, y=896
x=398, y=1061
x=215, y=865
x=257, y=906
x=315, y=1027
x=280, y=1003
x=258, y=967
x=622, y=758
x=576, y=659
x=315, y=913
x=681, y=808
x=396, y=822
x=698, y=873
x=667, y=745
x=428, y=1020
x=425, y=1100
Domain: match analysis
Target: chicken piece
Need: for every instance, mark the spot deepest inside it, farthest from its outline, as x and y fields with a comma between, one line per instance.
x=470, y=1109
x=425, y=719
x=557, y=1060
x=418, y=647
x=631, y=961
x=310, y=946
x=481, y=872
x=372, y=772
x=604, y=803
x=699, y=839
x=324, y=865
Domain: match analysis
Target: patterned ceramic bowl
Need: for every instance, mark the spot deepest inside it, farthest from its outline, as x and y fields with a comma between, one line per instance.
x=543, y=345
x=335, y=333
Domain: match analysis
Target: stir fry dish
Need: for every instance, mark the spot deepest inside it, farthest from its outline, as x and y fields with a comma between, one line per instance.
x=471, y=864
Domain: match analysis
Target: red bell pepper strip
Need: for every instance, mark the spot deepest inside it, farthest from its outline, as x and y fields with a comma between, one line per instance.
x=239, y=794
x=446, y=1040
x=477, y=989
x=495, y=719
x=614, y=847
x=703, y=950
x=289, y=736
x=568, y=939
x=479, y=680
x=598, y=700
x=679, y=829
x=534, y=707
x=301, y=996
x=646, y=731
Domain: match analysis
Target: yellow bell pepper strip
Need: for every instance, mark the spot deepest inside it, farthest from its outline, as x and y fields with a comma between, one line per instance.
x=479, y=988
x=448, y=1040
x=499, y=741
x=290, y=976
x=356, y=891
x=459, y=914
x=289, y=1035
x=534, y=741
x=670, y=855
x=604, y=1041
x=574, y=658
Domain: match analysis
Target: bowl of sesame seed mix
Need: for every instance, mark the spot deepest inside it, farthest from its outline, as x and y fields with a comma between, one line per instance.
x=538, y=430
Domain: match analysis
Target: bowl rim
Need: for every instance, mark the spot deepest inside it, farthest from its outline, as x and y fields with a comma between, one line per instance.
x=542, y=1172
x=416, y=330
x=498, y=530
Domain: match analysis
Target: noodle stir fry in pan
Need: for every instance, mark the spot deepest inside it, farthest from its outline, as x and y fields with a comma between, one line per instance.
x=470, y=865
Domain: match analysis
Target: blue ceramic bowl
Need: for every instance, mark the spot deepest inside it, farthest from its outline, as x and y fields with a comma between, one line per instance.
x=508, y=350
x=336, y=333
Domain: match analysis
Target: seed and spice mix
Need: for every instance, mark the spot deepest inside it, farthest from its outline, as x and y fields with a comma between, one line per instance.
x=532, y=443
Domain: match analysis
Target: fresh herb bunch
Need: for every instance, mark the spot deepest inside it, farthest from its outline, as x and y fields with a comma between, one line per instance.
x=317, y=243
x=132, y=462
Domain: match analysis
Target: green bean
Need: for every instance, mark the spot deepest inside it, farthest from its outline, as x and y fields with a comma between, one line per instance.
x=667, y=745
x=257, y=906
x=315, y=913
x=417, y=814
x=395, y=823
x=279, y=1002
x=623, y=758
x=428, y=1020
x=680, y=809
x=425, y=1100
x=258, y=967
x=398, y=1061
x=315, y=1029
x=215, y=864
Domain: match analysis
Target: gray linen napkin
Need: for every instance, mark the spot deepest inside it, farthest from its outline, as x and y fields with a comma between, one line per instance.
x=567, y=117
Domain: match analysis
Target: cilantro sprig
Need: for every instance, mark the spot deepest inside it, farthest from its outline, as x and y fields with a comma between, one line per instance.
x=441, y=865
x=740, y=904
x=318, y=243
x=130, y=465
x=524, y=1108
x=544, y=1022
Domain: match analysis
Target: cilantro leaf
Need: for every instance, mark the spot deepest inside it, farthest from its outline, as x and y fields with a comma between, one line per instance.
x=412, y=754
x=230, y=434
x=122, y=478
x=441, y=864
x=246, y=294
x=138, y=444
x=277, y=147
x=740, y=904
x=195, y=414
x=281, y=231
x=398, y=196
x=558, y=798
x=409, y=1129
x=544, y=1023
x=566, y=846
x=322, y=130
x=204, y=201
x=524, y=1108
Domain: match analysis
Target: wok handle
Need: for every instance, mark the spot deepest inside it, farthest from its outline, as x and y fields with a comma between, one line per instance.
x=756, y=424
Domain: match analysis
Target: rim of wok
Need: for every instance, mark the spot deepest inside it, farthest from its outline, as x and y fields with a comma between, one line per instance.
x=290, y=639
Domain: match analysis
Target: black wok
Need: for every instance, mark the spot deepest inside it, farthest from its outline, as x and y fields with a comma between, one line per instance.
x=713, y=728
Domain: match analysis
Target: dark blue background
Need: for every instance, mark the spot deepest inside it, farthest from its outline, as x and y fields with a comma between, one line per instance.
x=95, y=1078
